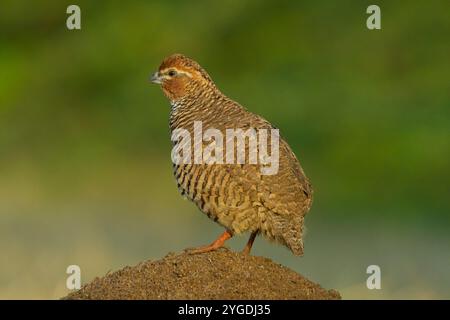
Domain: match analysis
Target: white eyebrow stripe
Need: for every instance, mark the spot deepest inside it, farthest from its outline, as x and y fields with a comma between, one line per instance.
x=178, y=71
x=185, y=73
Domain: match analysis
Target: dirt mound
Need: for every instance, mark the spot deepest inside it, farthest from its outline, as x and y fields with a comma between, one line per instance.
x=216, y=275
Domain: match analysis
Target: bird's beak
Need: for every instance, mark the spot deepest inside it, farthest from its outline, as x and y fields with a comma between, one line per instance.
x=155, y=78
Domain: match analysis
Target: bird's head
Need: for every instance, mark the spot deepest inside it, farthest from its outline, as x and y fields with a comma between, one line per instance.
x=180, y=77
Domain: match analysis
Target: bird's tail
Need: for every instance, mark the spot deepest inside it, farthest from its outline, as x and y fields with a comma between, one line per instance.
x=292, y=235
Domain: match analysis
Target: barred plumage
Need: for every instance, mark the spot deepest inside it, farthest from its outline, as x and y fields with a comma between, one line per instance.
x=237, y=196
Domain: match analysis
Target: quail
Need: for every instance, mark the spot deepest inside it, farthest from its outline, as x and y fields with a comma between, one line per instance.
x=238, y=196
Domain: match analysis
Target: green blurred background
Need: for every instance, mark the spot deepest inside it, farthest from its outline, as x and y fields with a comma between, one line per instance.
x=85, y=170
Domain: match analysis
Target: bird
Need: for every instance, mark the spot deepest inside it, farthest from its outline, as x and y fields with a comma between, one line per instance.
x=236, y=196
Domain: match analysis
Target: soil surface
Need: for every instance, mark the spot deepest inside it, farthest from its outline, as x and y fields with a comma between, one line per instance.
x=215, y=275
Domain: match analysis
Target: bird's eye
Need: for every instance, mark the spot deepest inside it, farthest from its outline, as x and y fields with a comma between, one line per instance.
x=172, y=73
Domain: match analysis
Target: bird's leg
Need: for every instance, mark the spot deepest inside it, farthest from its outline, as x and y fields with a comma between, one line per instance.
x=249, y=245
x=219, y=242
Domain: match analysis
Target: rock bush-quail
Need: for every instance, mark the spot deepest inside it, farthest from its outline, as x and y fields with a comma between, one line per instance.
x=239, y=196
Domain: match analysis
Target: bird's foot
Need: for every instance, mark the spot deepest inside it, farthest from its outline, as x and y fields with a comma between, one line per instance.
x=219, y=243
x=202, y=249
